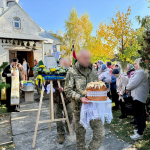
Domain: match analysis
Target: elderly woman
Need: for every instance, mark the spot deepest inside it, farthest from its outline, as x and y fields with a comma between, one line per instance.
x=139, y=87
x=121, y=82
x=130, y=70
x=104, y=76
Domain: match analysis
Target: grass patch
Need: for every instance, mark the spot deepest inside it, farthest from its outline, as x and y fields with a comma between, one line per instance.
x=3, y=109
x=8, y=147
x=123, y=129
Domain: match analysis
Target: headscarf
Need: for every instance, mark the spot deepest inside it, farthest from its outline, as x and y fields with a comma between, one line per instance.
x=131, y=68
x=138, y=63
x=103, y=67
x=100, y=63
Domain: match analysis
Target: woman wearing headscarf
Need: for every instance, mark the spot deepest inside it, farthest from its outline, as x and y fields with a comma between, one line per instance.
x=139, y=87
x=130, y=70
x=99, y=64
x=104, y=76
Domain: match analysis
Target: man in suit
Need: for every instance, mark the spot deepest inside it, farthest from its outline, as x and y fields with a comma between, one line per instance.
x=7, y=73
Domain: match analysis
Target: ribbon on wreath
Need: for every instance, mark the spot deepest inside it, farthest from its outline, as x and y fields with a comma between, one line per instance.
x=39, y=80
x=44, y=87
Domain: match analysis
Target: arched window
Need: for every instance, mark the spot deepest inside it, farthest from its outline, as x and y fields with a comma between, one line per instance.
x=17, y=23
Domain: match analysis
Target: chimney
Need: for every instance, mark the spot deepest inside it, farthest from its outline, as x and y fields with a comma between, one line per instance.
x=3, y=5
x=10, y=2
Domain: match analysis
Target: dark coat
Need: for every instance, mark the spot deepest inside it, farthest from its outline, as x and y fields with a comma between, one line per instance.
x=113, y=82
x=6, y=71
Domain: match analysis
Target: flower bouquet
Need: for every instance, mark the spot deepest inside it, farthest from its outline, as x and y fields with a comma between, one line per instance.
x=52, y=73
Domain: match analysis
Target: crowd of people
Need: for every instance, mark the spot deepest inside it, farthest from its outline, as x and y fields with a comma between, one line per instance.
x=129, y=92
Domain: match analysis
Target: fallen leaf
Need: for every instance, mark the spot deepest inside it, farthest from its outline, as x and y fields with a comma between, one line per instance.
x=8, y=132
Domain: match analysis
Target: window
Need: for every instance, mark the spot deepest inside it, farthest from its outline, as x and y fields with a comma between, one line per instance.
x=17, y=23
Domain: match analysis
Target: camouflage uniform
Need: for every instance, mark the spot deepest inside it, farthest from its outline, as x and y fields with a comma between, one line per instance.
x=58, y=108
x=76, y=81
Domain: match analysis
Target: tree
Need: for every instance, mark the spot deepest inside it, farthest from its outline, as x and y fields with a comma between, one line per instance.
x=120, y=37
x=78, y=29
x=62, y=38
x=144, y=22
x=2, y=83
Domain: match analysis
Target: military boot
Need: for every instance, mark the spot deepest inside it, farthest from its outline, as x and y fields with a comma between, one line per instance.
x=61, y=139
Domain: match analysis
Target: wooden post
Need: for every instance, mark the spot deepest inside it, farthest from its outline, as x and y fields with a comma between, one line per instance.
x=51, y=107
x=65, y=110
x=38, y=116
x=50, y=111
x=52, y=101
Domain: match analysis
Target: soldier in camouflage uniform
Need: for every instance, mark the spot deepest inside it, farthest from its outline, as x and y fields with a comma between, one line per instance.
x=76, y=81
x=58, y=107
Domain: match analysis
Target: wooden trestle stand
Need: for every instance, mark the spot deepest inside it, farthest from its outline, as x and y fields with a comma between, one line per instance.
x=51, y=106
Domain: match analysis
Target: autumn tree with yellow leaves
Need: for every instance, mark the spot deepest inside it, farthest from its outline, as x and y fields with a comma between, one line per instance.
x=78, y=29
x=120, y=38
x=116, y=38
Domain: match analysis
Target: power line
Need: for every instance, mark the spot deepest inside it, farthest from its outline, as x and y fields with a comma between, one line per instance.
x=125, y=9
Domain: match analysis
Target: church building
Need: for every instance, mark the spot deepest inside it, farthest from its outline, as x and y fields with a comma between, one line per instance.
x=21, y=37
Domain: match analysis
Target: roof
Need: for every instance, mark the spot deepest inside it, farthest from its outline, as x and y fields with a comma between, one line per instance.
x=23, y=10
x=5, y=11
x=21, y=36
x=48, y=36
x=43, y=34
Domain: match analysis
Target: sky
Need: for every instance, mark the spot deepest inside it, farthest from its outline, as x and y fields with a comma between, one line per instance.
x=51, y=14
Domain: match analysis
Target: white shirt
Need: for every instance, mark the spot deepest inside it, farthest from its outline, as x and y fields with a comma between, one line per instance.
x=24, y=66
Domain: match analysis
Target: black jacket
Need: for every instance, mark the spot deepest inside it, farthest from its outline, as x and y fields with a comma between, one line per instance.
x=6, y=71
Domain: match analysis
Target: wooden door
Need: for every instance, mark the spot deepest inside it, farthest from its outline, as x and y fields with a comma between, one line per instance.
x=30, y=60
x=12, y=55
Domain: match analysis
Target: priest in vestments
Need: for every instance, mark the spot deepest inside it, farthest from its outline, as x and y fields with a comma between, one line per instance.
x=7, y=73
